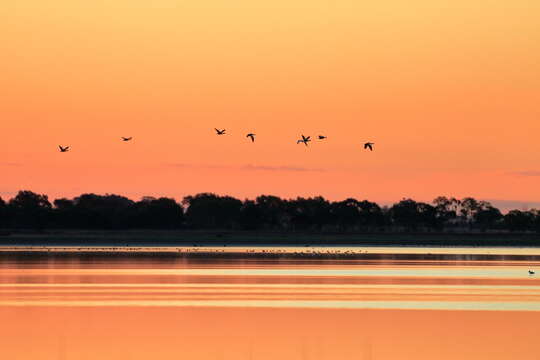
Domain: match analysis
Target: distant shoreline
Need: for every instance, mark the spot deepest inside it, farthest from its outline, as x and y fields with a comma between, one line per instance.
x=193, y=238
x=393, y=254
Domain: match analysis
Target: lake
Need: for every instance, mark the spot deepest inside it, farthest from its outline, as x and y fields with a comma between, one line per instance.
x=396, y=303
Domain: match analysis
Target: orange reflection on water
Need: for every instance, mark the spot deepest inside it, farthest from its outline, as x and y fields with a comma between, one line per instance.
x=259, y=333
x=267, y=309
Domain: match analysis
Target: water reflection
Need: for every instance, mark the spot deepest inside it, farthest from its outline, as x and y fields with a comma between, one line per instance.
x=171, y=307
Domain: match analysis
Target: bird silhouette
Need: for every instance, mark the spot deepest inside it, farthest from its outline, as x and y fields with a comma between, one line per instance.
x=63, y=148
x=305, y=140
x=322, y=137
x=127, y=138
x=251, y=136
x=369, y=145
x=531, y=272
x=220, y=132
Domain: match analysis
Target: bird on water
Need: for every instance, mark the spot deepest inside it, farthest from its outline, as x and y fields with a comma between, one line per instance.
x=220, y=132
x=251, y=136
x=531, y=272
x=63, y=148
x=369, y=145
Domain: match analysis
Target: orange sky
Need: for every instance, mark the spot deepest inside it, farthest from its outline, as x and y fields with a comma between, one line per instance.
x=448, y=90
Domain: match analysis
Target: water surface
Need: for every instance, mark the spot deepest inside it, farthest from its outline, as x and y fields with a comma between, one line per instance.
x=122, y=307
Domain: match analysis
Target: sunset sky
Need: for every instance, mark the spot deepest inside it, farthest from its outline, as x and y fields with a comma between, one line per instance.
x=449, y=92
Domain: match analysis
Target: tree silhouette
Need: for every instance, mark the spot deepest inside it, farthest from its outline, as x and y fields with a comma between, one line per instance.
x=345, y=215
x=162, y=213
x=4, y=220
x=445, y=209
x=412, y=215
x=30, y=210
x=103, y=211
x=251, y=217
x=487, y=217
x=517, y=220
x=211, y=211
x=273, y=212
x=310, y=213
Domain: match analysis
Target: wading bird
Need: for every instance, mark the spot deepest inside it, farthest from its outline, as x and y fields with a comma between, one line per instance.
x=251, y=136
x=63, y=149
x=305, y=140
x=220, y=132
x=127, y=138
x=369, y=145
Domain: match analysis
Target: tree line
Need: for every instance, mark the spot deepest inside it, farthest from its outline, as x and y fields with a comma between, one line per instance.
x=29, y=210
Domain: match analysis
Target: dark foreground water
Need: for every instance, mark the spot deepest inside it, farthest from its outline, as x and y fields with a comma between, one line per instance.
x=413, y=307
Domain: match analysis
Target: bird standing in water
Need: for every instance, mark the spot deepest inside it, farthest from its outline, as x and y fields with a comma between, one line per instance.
x=251, y=136
x=369, y=145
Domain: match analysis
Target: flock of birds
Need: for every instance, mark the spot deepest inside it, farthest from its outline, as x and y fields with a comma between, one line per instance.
x=304, y=140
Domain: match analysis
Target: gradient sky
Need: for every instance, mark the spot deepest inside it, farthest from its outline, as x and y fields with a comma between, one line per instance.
x=449, y=91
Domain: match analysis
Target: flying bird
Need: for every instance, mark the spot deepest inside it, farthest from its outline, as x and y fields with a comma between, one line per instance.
x=127, y=138
x=63, y=149
x=305, y=140
x=322, y=137
x=369, y=146
x=251, y=136
x=220, y=132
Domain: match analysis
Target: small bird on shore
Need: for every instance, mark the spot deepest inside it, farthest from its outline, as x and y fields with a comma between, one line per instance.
x=251, y=136
x=531, y=272
x=63, y=148
x=220, y=132
x=305, y=140
x=322, y=137
x=369, y=145
x=127, y=138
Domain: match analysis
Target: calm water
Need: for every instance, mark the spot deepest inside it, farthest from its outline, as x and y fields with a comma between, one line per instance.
x=100, y=307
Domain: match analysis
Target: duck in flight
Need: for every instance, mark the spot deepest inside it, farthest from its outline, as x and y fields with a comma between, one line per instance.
x=251, y=136
x=369, y=145
x=63, y=148
x=127, y=138
x=220, y=132
x=322, y=137
x=305, y=140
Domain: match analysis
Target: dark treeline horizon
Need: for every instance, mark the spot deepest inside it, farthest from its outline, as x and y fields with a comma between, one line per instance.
x=29, y=210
